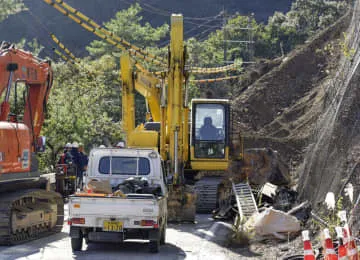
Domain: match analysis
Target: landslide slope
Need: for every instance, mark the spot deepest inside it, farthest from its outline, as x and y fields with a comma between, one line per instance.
x=332, y=158
x=307, y=109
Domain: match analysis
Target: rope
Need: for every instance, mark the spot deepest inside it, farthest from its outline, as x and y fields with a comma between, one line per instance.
x=199, y=70
x=62, y=46
x=102, y=33
x=102, y=29
x=62, y=56
x=215, y=79
x=72, y=57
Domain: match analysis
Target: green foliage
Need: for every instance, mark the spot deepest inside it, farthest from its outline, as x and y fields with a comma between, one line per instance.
x=279, y=36
x=284, y=31
x=33, y=46
x=210, y=52
x=310, y=15
x=8, y=7
x=347, y=51
x=331, y=217
x=127, y=24
x=84, y=106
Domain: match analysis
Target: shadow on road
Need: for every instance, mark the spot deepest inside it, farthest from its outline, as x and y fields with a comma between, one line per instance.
x=30, y=248
x=217, y=232
x=128, y=250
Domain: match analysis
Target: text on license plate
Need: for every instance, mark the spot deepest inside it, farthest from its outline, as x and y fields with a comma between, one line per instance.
x=112, y=225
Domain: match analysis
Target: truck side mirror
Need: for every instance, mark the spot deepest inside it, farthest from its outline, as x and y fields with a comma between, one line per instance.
x=41, y=144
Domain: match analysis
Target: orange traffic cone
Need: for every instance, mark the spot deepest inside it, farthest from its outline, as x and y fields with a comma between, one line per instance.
x=350, y=244
x=342, y=251
x=329, y=252
x=308, y=251
x=352, y=251
x=346, y=237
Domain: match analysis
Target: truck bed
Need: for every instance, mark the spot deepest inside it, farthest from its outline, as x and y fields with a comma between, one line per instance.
x=129, y=211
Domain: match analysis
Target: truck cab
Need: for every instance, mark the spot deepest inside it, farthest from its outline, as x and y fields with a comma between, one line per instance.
x=130, y=201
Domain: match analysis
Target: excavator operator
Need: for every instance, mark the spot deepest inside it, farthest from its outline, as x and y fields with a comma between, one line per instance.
x=208, y=131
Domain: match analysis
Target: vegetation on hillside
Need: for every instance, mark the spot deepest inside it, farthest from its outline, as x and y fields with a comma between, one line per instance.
x=8, y=7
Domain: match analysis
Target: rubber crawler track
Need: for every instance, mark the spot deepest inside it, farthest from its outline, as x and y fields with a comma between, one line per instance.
x=6, y=203
x=207, y=194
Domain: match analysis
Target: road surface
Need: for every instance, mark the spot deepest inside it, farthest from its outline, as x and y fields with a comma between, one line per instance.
x=204, y=240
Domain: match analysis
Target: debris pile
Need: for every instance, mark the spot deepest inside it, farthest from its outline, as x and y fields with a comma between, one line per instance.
x=132, y=185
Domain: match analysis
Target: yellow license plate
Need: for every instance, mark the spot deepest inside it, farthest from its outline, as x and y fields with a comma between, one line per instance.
x=115, y=226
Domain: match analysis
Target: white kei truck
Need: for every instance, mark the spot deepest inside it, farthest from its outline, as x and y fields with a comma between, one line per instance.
x=110, y=217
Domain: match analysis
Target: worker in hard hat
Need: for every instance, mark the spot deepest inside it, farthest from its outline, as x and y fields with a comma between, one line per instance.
x=120, y=144
x=82, y=166
x=66, y=157
x=76, y=159
x=75, y=153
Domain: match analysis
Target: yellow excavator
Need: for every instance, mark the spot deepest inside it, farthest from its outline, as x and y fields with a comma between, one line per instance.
x=194, y=142
x=203, y=145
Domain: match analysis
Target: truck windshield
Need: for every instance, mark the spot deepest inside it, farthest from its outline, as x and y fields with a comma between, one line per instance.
x=124, y=165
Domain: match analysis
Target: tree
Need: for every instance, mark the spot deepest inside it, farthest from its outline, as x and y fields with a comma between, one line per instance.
x=84, y=106
x=285, y=31
x=8, y=7
x=311, y=15
x=127, y=24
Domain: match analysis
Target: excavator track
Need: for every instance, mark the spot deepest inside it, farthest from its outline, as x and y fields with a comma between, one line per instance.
x=29, y=215
x=207, y=194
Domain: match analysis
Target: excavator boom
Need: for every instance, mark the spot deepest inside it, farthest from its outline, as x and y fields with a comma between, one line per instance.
x=20, y=66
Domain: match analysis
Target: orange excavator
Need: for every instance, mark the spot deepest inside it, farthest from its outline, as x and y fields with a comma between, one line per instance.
x=28, y=209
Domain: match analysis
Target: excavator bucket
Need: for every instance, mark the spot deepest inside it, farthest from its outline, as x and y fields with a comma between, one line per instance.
x=259, y=166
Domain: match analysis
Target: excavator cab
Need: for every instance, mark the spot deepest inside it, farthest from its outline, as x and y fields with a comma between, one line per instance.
x=210, y=134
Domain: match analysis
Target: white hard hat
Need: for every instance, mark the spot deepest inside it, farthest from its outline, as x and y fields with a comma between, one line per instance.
x=68, y=145
x=120, y=144
x=75, y=145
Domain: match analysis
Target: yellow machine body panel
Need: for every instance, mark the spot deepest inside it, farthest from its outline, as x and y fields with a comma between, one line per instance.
x=210, y=164
x=143, y=139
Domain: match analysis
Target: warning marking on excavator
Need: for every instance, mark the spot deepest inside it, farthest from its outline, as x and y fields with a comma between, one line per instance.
x=25, y=159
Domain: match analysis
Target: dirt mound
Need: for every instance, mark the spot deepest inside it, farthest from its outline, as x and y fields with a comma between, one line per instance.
x=280, y=109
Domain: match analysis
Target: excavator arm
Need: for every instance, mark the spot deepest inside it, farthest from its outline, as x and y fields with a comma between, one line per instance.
x=147, y=85
x=20, y=66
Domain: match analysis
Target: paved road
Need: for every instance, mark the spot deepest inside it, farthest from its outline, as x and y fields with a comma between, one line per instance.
x=203, y=240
